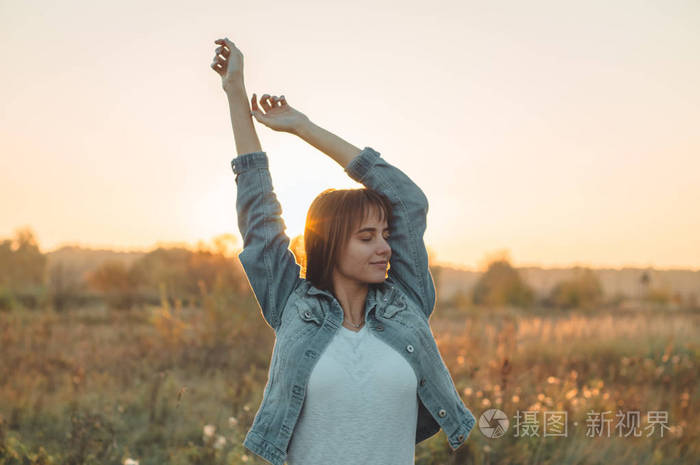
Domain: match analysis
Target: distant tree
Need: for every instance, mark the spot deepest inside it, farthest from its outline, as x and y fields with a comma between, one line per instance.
x=184, y=274
x=115, y=281
x=167, y=267
x=111, y=277
x=644, y=283
x=501, y=284
x=22, y=265
x=582, y=291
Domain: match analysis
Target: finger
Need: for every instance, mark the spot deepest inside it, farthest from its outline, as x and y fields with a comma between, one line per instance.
x=283, y=101
x=220, y=60
x=223, y=51
x=223, y=43
x=275, y=101
x=256, y=110
x=218, y=66
x=226, y=45
x=254, y=103
x=265, y=102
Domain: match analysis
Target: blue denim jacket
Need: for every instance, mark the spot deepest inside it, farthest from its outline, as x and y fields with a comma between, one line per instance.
x=306, y=318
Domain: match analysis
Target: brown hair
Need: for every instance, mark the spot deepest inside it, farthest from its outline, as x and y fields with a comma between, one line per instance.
x=332, y=218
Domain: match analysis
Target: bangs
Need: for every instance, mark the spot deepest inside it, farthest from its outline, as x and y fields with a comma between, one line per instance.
x=366, y=206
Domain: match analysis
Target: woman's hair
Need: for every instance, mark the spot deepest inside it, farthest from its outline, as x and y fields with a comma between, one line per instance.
x=332, y=218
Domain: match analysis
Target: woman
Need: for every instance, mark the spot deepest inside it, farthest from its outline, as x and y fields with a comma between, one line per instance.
x=356, y=376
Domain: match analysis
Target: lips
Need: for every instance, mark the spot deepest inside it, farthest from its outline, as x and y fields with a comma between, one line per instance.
x=379, y=263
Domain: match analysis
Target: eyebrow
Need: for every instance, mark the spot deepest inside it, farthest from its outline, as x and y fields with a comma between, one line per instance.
x=370, y=229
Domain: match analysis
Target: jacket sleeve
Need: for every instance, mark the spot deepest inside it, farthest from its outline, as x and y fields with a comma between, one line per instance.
x=270, y=266
x=408, y=265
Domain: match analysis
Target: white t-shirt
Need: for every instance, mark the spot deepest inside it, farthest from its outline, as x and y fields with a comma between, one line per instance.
x=361, y=406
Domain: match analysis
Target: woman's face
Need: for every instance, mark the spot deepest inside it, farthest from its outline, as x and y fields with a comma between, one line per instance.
x=366, y=255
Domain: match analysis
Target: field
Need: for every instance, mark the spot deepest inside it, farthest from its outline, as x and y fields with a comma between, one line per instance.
x=166, y=384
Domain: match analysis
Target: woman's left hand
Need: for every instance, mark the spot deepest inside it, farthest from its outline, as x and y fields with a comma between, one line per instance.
x=279, y=115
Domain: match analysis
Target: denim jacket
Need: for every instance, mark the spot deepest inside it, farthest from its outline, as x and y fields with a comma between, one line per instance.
x=305, y=318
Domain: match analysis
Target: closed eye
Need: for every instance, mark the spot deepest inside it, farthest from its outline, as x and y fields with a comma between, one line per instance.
x=386, y=238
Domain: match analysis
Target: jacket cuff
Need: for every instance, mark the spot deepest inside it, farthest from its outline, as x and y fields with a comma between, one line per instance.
x=249, y=161
x=360, y=165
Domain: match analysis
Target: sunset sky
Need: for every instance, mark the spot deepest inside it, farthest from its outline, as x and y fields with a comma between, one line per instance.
x=567, y=133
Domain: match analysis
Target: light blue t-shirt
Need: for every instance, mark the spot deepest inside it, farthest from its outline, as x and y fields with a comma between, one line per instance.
x=361, y=406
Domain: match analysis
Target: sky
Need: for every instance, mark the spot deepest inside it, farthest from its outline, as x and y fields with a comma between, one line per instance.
x=565, y=133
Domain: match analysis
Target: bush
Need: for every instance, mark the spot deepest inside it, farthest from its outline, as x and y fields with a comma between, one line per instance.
x=501, y=284
x=582, y=291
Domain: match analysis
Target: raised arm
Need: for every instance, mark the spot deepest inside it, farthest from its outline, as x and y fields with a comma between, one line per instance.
x=409, y=258
x=269, y=265
x=272, y=271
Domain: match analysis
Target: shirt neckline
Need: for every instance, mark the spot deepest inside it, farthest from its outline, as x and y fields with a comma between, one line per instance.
x=354, y=332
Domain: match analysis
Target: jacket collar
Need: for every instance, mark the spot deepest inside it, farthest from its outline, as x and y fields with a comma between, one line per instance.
x=378, y=294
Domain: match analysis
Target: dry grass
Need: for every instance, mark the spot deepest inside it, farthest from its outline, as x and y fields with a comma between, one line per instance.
x=97, y=386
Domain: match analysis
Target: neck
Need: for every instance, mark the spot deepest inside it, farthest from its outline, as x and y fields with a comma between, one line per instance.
x=352, y=296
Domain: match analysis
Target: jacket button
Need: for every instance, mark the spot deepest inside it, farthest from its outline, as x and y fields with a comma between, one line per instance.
x=307, y=314
x=380, y=328
x=409, y=348
x=422, y=381
x=442, y=412
x=460, y=438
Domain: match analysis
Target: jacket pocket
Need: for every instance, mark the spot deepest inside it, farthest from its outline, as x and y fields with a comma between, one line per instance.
x=307, y=313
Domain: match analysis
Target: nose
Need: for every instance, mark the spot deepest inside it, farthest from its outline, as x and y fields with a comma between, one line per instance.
x=384, y=249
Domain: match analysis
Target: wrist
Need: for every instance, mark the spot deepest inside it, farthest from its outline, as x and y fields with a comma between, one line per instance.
x=235, y=88
x=304, y=129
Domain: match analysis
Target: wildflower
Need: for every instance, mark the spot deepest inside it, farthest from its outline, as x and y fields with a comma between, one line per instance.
x=552, y=380
x=467, y=391
x=487, y=448
x=209, y=431
x=515, y=399
x=131, y=462
x=244, y=458
x=220, y=442
x=485, y=402
x=232, y=421
x=571, y=393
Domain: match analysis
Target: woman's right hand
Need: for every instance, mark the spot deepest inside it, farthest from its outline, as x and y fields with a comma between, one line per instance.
x=279, y=115
x=228, y=63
